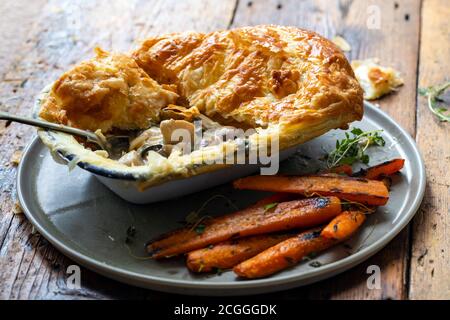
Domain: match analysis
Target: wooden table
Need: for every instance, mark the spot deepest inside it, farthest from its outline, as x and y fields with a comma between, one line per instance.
x=42, y=38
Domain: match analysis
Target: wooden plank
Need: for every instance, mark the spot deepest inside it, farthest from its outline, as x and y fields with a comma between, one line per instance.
x=42, y=40
x=395, y=43
x=430, y=261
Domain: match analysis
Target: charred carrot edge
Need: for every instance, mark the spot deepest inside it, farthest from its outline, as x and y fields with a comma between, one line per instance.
x=257, y=219
x=383, y=169
x=289, y=252
x=227, y=254
x=370, y=192
x=344, y=224
x=277, y=198
x=345, y=168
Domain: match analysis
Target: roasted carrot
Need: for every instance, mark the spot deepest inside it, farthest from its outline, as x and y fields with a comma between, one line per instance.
x=277, y=198
x=383, y=169
x=361, y=190
x=343, y=225
x=345, y=168
x=227, y=254
x=257, y=219
x=289, y=252
x=167, y=239
x=283, y=255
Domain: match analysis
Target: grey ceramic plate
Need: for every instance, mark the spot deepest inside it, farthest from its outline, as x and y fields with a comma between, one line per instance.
x=88, y=223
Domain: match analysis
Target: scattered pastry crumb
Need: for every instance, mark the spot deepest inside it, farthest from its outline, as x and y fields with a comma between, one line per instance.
x=16, y=156
x=342, y=43
x=375, y=79
x=17, y=209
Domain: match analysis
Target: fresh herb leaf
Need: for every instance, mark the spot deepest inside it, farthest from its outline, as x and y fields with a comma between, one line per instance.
x=270, y=206
x=433, y=93
x=423, y=91
x=192, y=217
x=353, y=147
x=218, y=271
x=310, y=256
x=131, y=232
x=200, y=228
x=356, y=131
x=315, y=264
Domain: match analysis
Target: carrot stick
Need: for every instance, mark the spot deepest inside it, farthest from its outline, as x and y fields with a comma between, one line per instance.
x=257, y=219
x=283, y=255
x=227, y=254
x=274, y=199
x=345, y=168
x=343, y=225
x=383, y=169
x=277, y=198
x=289, y=252
x=361, y=190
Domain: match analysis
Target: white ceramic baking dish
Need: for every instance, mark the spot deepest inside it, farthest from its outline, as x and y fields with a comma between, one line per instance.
x=127, y=183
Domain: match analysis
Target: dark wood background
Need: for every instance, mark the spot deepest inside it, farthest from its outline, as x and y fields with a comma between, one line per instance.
x=42, y=38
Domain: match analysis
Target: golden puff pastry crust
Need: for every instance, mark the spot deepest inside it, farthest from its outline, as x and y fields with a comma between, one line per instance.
x=283, y=81
x=262, y=76
x=108, y=91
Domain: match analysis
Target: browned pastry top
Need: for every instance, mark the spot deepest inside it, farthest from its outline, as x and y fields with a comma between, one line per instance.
x=263, y=76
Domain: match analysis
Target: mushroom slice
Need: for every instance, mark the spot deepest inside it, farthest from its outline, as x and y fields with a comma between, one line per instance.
x=175, y=131
x=151, y=136
x=131, y=159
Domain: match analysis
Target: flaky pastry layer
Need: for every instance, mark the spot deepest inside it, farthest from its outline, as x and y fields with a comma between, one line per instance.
x=108, y=91
x=258, y=76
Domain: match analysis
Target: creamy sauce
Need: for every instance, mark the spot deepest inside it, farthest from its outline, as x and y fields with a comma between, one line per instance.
x=192, y=136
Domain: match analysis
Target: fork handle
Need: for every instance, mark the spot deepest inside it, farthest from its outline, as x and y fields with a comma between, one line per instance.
x=49, y=125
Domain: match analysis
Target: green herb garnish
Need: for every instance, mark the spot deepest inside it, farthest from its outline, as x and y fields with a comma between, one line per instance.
x=353, y=148
x=194, y=217
x=315, y=264
x=310, y=256
x=191, y=218
x=270, y=206
x=218, y=271
x=200, y=228
x=131, y=232
x=433, y=93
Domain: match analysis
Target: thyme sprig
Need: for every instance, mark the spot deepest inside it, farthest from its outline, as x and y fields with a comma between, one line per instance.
x=195, y=221
x=353, y=148
x=433, y=93
x=269, y=206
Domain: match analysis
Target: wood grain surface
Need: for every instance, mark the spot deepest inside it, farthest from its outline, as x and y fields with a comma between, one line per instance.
x=430, y=260
x=42, y=38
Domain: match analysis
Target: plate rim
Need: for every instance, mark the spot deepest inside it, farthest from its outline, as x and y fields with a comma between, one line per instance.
x=224, y=288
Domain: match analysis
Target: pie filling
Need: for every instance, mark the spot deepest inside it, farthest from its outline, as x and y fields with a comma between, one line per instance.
x=175, y=136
